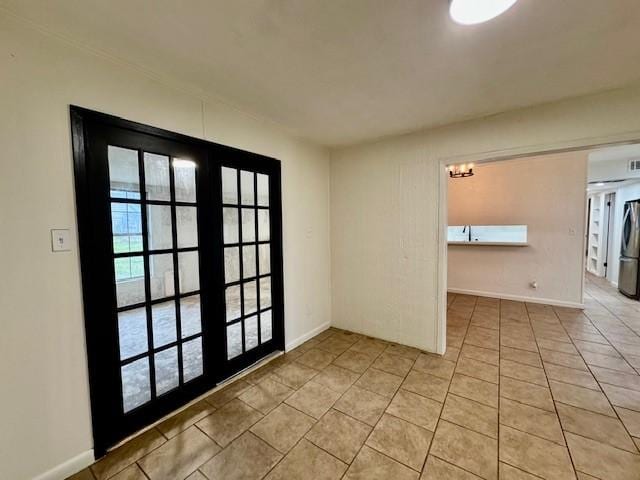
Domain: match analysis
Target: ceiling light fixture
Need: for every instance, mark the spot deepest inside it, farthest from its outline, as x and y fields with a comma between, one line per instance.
x=461, y=171
x=179, y=163
x=471, y=12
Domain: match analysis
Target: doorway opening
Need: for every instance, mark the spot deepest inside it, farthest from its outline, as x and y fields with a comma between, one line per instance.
x=524, y=218
x=529, y=282
x=614, y=188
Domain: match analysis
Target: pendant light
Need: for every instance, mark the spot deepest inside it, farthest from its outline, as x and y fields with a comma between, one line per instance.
x=461, y=171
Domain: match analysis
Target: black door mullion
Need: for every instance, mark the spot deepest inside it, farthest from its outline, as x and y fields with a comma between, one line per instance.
x=147, y=273
x=276, y=256
x=257, y=257
x=163, y=348
x=176, y=268
x=241, y=257
x=156, y=252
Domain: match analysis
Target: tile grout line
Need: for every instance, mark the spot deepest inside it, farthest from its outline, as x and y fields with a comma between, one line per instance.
x=464, y=336
x=378, y=421
x=621, y=355
x=602, y=390
x=599, y=385
x=331, y=408
x=532, y=330
x=609, y=342
x=555, y=407
x=135, y=461
x=142, y=470
x=304, y=435
x=618, y=319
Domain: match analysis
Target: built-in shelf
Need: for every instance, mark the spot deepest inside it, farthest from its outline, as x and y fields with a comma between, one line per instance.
x=596, y=259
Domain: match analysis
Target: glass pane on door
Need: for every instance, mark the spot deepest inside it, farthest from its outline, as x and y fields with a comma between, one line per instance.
x=132, y=329
x=249, y=261
x=266, y=327
x=167, y=376
x=136, y=384
x=164, y=323
x=190, y=316
x=124, y=177
x=246, y=187
x=187, y=227
x=184, y=179
x=234, y=340
x=159, y=227
x=157, y=176
x=126, y=223
x=192, y=359
x=247, y=227
x=229, y=186
x=263, y=190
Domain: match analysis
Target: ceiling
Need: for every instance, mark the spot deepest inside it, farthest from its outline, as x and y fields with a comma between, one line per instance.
x=608, y=167
x=615, y=153
x=339, y=72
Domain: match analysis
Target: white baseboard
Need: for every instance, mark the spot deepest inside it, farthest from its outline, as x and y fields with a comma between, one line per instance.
x=518, y=298
x=69, y=467
x=303, y=338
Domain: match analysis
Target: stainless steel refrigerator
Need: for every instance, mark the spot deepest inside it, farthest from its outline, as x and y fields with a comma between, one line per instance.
x=630, y=250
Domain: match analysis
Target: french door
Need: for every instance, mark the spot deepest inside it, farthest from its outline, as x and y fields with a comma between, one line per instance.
x=181, y=253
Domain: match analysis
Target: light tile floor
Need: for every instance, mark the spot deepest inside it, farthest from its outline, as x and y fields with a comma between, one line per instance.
x=524, y=391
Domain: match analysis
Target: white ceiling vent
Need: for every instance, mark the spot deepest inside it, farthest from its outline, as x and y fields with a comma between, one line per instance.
x=634, y=166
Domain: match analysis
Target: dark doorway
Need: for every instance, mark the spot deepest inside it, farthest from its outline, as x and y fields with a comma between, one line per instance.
x=586, y=241
x=181, y=251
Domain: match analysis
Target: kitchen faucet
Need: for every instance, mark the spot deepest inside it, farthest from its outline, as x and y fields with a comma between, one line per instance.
x=465, y=229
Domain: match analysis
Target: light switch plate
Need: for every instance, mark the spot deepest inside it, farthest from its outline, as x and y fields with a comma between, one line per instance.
x=60, y=240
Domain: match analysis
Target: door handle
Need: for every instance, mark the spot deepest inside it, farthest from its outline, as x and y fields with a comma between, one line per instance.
x=626, y=228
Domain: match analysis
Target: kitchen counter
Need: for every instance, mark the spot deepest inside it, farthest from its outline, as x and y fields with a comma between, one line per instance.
x=491, y=244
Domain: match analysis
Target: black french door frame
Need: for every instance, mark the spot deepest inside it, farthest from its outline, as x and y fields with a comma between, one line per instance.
x=90, y=130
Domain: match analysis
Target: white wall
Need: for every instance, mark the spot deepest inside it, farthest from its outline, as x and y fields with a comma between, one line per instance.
x=547, y=193
x=610, y=170
x=44, y=414
x=385, y=209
